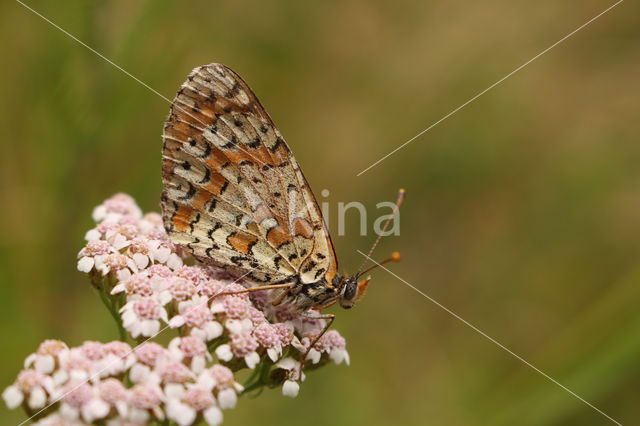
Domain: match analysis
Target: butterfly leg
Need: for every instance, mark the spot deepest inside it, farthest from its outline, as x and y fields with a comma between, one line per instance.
x=253, y=289
x=330, y=318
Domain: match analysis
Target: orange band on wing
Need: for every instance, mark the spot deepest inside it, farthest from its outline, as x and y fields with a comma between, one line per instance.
x=242, y=242
x=302, y=227
x=182, y=219
x=278, y=236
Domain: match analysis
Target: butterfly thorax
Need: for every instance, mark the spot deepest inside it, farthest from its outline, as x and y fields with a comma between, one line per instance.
x=320, y=294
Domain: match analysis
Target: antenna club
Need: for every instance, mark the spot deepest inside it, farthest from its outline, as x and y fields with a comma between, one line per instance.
x=395, y=256
x=401, y=195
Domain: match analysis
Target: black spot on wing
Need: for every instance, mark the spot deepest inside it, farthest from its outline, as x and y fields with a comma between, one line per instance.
x=193, y=222
x=319, y=273
x=309, y=266
x=276, y=261
x=190, y=193
x=217, y=226
x=279, y=142
x=212, y=205
x=255, y=143
x=206, y=177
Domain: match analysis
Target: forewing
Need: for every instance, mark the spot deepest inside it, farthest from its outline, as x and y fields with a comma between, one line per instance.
x=234, y=194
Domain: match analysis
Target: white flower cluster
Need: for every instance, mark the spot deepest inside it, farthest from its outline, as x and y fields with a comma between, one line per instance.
x=144, y=279
x=124, y=241
x=89, y=383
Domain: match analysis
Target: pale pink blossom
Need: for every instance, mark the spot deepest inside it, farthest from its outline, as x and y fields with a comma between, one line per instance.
x=56, y=419
x=120, y=205
x=210, y=288
x=104, y=359
x=113, y=392
x=145, y=400
x=94, y=254
x=140, y=251
x=285, y=331
x=235, y=307
x=195, y=274
x=174, y=372
x=150, y=353
x=291, y=367
x=191, y=350
x=12, y=397
x=181, y=289
x=335, y=345
x=220, y=378
x=159, y=271
x=241, y=345
x=74, y=365
x=183, y=406
x=162, y=251
x=290, y=388
x=103, y=230
x=302, y=346
x=32, y=386
x=142, y=317
x=82, y=401
x=174, y=261
x=116, y=262
x=154, y=220
x=149, y=356
x=118, y=358
x=269, y=338
x=45, y=358
x=256, y=316
x=195, y=315
x=144, y=284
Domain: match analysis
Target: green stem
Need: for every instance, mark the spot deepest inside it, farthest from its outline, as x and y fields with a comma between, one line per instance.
x=256, y=385
x=255, y=373
x=112, y=306
x=262, y=372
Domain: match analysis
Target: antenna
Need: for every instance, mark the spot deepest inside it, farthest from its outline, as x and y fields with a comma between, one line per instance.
x=395, y=256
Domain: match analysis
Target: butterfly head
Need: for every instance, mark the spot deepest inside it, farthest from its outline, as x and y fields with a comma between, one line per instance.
x=348, y=293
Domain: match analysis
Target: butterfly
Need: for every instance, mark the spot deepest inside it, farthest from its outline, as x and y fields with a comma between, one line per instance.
x=235, y=197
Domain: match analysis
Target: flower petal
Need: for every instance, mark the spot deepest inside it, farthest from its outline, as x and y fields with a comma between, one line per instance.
x=290, y=388
x=227, y=399
x=213, y=416
x=85, y=264
x=12, y=397
x=224, y=353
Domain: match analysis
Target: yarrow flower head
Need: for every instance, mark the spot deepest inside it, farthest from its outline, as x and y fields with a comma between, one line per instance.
x=153, y=286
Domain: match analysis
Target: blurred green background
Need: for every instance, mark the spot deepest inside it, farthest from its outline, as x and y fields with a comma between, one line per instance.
x=523, y=209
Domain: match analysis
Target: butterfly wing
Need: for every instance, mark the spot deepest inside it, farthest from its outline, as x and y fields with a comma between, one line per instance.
x=233, y=193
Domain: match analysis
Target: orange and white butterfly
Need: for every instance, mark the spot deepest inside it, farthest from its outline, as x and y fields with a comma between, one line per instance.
x=235, y=197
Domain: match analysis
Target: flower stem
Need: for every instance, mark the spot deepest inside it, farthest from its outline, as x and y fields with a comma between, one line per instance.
x=259, y=378
x=112, y=306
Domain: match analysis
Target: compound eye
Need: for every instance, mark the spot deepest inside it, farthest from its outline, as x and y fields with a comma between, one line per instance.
x=350, y=290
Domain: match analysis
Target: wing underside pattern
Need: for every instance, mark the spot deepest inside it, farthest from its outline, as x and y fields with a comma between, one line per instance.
x=234, y=194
